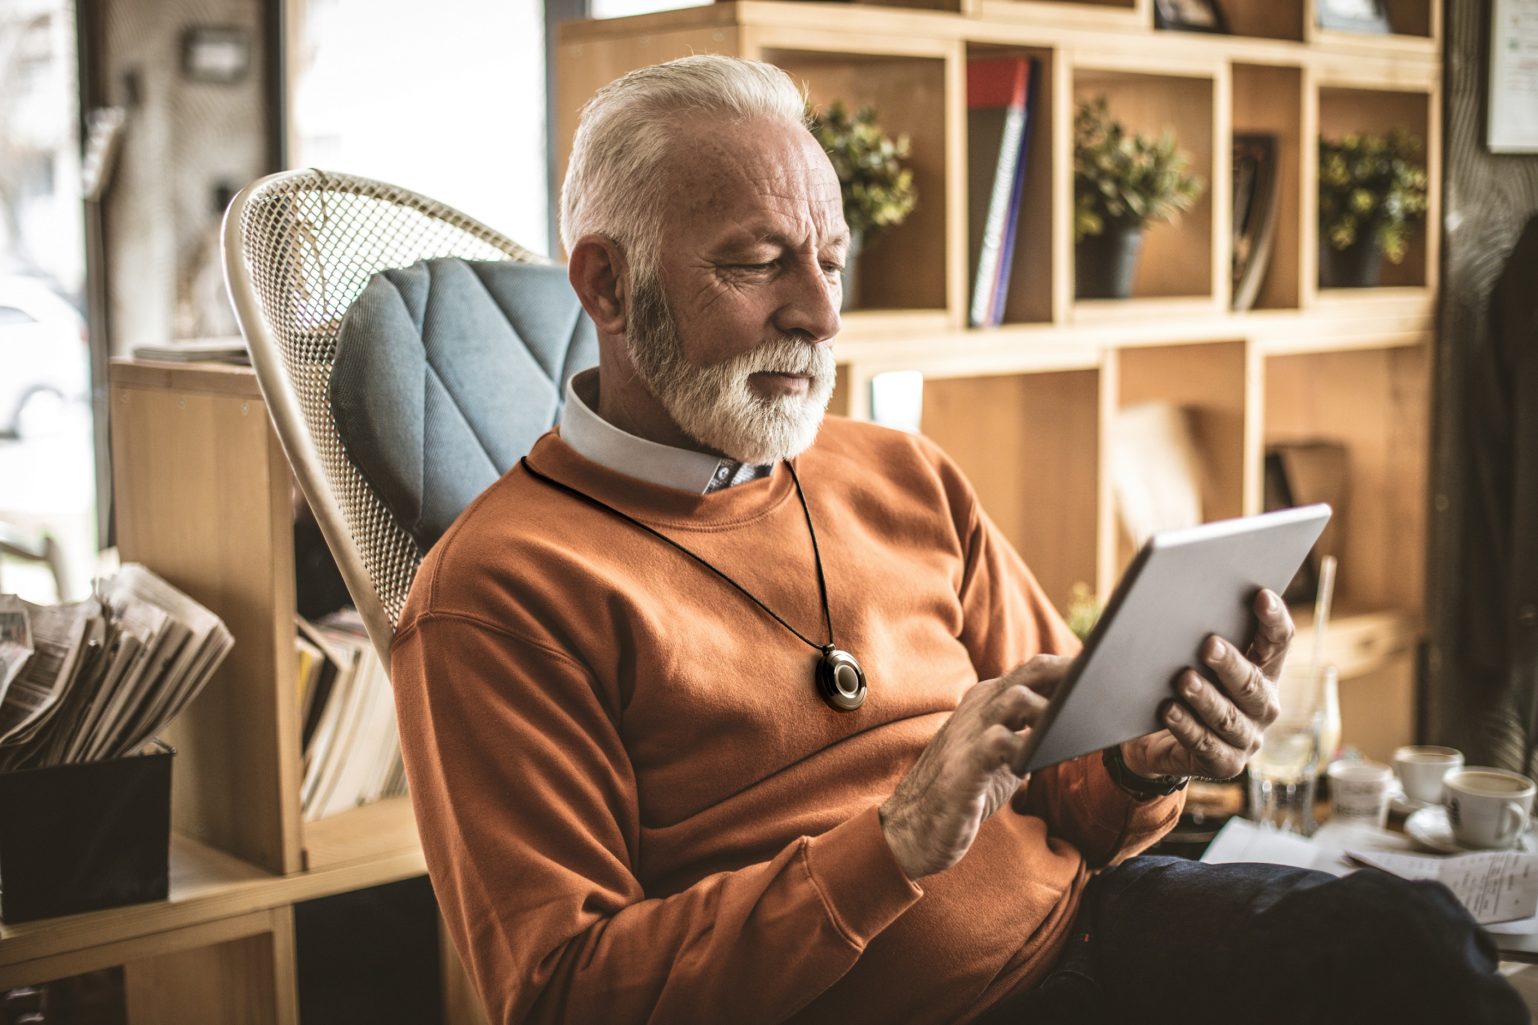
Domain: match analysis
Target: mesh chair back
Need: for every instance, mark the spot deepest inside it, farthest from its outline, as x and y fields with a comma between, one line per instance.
x=299, y=247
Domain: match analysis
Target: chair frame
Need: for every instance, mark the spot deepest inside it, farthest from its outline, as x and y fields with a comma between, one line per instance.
x=261, y=301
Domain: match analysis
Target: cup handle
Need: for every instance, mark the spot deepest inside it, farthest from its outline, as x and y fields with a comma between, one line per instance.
x=1516, y=816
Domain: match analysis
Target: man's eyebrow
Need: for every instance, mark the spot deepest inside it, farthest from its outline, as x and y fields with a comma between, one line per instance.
x=777, y=238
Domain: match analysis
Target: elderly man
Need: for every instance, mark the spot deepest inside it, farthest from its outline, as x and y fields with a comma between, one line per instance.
x=709, y=706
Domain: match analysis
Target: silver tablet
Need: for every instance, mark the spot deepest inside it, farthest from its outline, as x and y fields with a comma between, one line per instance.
x=1183, y=586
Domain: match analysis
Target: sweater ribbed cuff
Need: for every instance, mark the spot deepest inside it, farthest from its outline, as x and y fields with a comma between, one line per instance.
x=863, y=888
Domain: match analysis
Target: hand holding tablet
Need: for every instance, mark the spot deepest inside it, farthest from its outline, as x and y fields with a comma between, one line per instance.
x=1151, y=657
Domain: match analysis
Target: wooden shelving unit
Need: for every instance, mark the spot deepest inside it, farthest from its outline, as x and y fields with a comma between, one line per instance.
x=203, y=488
x=1026, y=408
x=203, y=498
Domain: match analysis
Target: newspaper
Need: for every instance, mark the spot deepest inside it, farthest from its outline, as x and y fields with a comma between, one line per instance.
x=104, y=676
x=58, y=634
x=15, y=640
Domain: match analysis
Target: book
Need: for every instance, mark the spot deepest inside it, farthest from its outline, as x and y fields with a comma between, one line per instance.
x=1255, y=167
x=197, y=350
x=349, y=742
x=1156, y=468
x=998, y=135
x=1302, y=473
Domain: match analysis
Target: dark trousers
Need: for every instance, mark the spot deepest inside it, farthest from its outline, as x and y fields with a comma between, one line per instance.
x=1168, y=940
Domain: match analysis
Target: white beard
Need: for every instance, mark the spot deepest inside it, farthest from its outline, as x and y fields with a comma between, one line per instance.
x=716, y=405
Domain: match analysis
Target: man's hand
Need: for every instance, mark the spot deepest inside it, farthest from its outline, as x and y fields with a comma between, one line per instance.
x=963, y=776
x=1214, y=730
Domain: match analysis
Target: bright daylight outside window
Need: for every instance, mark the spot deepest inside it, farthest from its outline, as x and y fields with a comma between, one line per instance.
x=47, y=482
x=454, y=108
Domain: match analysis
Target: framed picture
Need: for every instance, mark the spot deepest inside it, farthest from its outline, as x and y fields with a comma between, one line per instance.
x=1367, y=16
x=1189, y=15
x=1512, y=107
x=216, y=54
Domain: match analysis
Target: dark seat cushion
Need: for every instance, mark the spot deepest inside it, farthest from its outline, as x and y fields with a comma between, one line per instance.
x=445, y=374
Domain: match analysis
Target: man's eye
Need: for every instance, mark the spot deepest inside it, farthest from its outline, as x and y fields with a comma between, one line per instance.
x=829, y=267
x=768, y=265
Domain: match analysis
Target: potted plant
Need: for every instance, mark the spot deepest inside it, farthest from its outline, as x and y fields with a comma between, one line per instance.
x=877, y=187
x=1372, y=192
x=1121, y=182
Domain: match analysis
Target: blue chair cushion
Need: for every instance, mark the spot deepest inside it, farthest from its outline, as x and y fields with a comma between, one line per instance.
x=446, y=373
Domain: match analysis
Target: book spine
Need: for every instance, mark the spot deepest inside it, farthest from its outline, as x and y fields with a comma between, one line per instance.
x=1016, y=196
x=985, y=282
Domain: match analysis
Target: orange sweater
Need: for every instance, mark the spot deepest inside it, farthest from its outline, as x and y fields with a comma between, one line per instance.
x=633, y=803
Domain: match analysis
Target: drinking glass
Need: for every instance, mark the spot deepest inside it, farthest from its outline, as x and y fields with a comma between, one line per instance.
x=1284, y=773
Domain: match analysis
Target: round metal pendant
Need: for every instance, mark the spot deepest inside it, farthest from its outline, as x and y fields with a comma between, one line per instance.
x=840, y=680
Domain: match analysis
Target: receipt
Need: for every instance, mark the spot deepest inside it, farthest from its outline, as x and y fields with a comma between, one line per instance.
x=1496, y=886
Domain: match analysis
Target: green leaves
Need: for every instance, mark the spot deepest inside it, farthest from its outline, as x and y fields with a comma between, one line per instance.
x=878, y=190
x=1371, y=186
x=1121, y=178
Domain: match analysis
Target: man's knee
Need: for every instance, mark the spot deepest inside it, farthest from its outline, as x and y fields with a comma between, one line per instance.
x=1376, y=947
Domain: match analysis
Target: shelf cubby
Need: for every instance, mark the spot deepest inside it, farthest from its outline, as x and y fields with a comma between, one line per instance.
x=1119, y=14
x=1269, y=99
x=1413, y=25
x=1264, y=19
x=1032, y=291
x=1032, y=459
x=1377, y=403
x=915, y=265
x=1208, y=381
x=1345, y=108
x=1178, y=259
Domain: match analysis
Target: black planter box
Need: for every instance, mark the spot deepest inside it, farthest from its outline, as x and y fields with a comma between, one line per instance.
x=84, y=837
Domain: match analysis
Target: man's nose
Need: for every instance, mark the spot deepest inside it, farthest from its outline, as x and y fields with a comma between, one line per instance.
x=809, y=305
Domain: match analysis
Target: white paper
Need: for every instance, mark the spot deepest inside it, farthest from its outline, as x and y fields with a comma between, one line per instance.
x=1513, y=99
x=1496, y=886
x=1241, y=840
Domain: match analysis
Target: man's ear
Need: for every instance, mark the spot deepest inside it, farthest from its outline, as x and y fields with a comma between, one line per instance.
x=600, y=276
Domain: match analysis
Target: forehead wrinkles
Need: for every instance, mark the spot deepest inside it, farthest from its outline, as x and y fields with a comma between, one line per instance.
x=720, y=179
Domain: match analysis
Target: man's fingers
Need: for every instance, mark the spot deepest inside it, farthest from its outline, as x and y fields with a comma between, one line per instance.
x=1017, y=707
x=1247, y=683
x=1219, y=713
x=1042, y=673
x=1210, y=756
x=999, y=745
x=1273, y=633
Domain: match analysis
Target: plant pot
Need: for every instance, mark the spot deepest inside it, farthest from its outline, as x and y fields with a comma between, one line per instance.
x=849, y=277
x=1359, y=265
x=1104, y=264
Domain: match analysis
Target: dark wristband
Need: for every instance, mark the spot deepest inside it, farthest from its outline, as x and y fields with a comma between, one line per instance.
x=1141, y=787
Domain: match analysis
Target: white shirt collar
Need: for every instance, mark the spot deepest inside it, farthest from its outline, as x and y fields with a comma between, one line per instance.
x=596, y=439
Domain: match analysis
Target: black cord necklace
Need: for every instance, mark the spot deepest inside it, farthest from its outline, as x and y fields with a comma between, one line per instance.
x=839, y=678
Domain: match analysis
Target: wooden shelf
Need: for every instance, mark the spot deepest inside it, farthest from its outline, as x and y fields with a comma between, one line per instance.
x=1104, y=30
x=207, y=885
x=367, y=835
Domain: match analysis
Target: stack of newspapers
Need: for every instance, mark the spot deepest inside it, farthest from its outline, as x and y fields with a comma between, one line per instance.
x=351, y=748
x=99, y=678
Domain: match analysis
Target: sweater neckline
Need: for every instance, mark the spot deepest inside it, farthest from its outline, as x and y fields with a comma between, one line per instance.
x=656, y=504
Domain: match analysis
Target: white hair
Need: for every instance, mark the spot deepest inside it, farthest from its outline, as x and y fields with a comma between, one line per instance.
x=625, y=132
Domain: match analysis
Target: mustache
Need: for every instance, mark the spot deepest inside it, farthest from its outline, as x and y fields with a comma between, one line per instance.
x=790, y=355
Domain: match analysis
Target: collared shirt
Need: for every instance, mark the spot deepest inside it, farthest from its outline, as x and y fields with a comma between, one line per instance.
x=597, y=440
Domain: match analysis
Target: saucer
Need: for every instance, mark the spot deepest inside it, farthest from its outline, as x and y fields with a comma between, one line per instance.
x=1429, y=828
x=1401, y=803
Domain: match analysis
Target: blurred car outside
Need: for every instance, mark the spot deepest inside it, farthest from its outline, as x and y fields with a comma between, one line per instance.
x=44, y=358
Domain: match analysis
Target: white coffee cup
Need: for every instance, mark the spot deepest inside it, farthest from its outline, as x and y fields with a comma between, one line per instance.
x=1420, y=769
x=1359, y=792
x=1488, y=807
